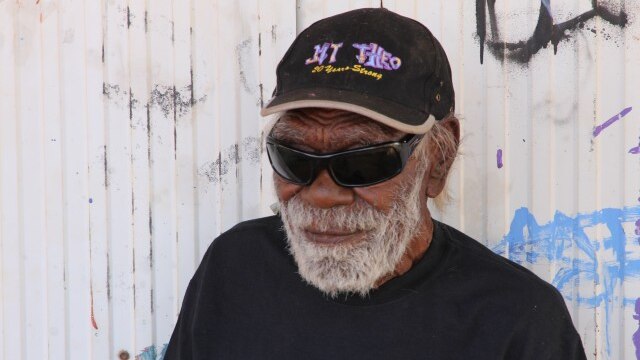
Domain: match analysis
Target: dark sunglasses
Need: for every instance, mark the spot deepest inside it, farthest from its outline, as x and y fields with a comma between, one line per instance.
x=359, y=167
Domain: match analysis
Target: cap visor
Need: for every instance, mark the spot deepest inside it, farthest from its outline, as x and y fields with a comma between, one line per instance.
x=391, y=114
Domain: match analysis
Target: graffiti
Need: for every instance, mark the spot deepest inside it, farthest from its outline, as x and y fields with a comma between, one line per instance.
x=249, y=150
x=598, y=129
x=635, y=150
x=636, y=335
x=150, y=353
x=499, y=158
x=568, y=245
x=545, y=32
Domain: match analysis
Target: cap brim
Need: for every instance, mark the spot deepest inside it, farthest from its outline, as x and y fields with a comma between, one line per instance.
x=391, y=114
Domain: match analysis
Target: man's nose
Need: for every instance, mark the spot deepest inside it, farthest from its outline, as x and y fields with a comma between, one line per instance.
x=325, y=193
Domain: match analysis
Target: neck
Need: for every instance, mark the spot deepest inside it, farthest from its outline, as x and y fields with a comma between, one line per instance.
x=414, y=252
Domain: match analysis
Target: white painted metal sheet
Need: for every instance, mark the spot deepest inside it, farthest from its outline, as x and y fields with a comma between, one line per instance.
x=130, y=138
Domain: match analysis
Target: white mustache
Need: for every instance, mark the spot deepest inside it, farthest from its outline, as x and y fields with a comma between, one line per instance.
x=347, y=219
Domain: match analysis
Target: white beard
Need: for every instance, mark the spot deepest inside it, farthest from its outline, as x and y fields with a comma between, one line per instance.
x=352, y=267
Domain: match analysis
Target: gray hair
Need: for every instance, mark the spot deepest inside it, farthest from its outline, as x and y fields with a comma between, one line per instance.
x=447, y=146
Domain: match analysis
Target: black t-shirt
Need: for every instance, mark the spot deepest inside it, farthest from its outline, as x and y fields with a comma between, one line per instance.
x=460, y=301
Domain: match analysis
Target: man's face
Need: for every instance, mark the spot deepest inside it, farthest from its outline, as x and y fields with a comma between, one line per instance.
x=346, y=239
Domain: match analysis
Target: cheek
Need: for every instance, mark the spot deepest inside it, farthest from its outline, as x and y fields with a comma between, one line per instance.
x=284, y=189
x=383, y=195
x=379, y=196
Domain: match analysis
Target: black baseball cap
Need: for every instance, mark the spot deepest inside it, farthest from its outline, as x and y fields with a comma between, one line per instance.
x=373, y=62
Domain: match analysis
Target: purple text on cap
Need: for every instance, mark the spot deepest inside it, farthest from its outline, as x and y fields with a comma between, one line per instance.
x=376, y=57
x=321, y=53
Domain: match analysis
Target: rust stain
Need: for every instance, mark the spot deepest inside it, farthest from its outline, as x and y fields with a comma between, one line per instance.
x=93, y=318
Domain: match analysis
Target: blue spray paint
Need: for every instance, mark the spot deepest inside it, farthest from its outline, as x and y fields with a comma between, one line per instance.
x=150, y=353
x=564, y=242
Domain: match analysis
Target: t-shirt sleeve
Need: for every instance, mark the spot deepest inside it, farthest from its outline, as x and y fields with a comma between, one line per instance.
x=546, y=332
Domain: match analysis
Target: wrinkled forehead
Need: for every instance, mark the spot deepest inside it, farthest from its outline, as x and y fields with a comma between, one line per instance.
x=338, y=124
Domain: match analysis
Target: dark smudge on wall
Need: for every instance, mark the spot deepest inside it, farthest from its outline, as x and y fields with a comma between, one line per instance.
x=545, y=32
x=247, y=150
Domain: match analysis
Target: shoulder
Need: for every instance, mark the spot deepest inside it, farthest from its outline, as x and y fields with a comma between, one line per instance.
x=268, y=223
x=492, y=284
x=253, y=242
x=506, y=280
x=249, y=234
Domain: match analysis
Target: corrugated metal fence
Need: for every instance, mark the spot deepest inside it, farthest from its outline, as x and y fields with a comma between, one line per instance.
x=130, y=138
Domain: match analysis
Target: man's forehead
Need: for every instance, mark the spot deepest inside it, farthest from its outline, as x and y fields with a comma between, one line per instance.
x=295, y=123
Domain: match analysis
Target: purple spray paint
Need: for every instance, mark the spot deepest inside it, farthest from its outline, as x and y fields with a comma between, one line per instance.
x=499, y=158
x=635, y=150
x=636, y=335
x=598, y=129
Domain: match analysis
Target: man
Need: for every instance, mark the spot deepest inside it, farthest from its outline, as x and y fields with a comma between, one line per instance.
x=353, y=267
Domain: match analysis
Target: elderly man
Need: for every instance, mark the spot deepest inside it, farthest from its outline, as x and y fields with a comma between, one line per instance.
x=354, y=267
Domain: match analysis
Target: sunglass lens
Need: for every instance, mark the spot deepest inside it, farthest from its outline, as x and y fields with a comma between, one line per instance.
x=289, y=164
x=367, y=167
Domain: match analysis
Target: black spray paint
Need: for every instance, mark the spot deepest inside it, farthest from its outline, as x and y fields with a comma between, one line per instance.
x=544, y=33
x=169, y=99
x=247, y=150
x=173, y=101
x=243, y=55
x=129, y=16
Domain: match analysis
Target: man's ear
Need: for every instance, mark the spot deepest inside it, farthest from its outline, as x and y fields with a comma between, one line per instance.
x=441, y=157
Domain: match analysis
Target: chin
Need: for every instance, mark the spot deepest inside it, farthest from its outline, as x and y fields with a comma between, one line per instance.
x=345, y=264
